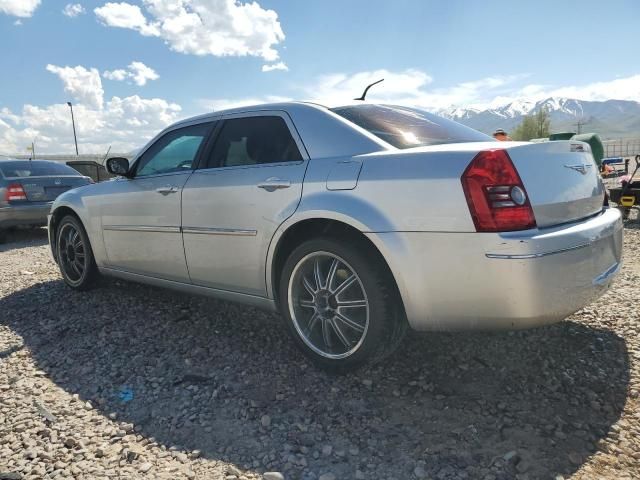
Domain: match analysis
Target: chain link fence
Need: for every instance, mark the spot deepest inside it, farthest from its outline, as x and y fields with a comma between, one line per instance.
x=622, y=148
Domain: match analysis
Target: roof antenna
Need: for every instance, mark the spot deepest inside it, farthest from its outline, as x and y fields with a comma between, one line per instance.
x=364, y=94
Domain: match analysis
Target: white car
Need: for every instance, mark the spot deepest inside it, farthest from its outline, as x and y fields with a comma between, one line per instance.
x=354, y=222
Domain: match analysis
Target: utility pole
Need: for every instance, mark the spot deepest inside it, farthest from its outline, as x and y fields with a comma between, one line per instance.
x=73, y=122
x=580, y=123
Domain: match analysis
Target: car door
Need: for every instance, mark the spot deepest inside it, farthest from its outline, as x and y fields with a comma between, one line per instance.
x=251, y=183
x=141, y=215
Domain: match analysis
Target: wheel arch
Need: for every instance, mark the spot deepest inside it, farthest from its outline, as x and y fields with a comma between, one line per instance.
x=287, y=239
x=56, y=215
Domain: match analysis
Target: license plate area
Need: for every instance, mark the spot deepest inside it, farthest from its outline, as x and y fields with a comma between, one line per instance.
x=53, y=192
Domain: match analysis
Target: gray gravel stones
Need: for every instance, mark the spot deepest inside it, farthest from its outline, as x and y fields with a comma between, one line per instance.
x=128, y=381
x=273, y=476
x=327, y=476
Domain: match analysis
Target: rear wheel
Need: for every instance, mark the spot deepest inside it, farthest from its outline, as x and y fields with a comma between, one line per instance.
x=339, y=305
x=74, y=254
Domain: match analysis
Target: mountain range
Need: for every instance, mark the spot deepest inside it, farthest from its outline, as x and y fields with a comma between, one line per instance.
x=611, y=119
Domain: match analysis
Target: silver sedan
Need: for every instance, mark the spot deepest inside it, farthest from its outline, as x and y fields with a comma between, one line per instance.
x=355, y=223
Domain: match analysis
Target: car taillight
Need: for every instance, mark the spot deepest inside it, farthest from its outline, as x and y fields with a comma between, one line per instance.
x=15, y=192
x=496, y=197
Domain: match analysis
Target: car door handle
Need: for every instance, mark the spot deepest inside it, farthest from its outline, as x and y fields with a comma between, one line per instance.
x=167, y=189
x=274, y=183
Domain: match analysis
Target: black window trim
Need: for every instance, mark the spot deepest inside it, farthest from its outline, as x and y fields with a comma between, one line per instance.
x=293, y=131
x=212, y=123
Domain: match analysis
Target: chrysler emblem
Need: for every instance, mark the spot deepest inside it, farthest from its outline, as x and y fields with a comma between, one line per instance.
x=582, y=168
x=57, y=181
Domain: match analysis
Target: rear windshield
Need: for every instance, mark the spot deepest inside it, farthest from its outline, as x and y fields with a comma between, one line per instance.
x=35, y=168
x=405, y=127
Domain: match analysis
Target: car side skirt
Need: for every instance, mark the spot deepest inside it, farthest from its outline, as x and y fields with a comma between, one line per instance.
x=250, y=300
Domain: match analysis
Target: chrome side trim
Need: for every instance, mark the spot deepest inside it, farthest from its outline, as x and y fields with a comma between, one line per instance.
x=140, y=228
x=526, y=256
x=604, y=277
x=247, y=299
x=219, y=231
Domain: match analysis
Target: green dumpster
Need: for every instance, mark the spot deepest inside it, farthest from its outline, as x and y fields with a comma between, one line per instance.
x=562, y=136
x=597, y=148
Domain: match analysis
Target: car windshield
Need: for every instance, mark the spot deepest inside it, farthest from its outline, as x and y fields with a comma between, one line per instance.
x=405, y=127
x=35, y=168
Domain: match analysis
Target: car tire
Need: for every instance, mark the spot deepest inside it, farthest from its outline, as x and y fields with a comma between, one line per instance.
x=340, y=328
x=74, y=254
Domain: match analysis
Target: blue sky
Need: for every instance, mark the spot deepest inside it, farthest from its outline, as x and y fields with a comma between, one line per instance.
x=434, y=54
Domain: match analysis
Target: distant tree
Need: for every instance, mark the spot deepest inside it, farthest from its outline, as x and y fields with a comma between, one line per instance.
x=537, y=125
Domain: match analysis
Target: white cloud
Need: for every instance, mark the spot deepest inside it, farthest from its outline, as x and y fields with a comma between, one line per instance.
x=73, y=10
x=125, y=15
x=19, y=8
x=620, y=89
x=124, y=123
x=118, y=75
x=215, y=104
x=414, y=87
x=17, y=23
x=136, y=71
x=340, y=87
x=202, y=27
x=140, y=73
x=275, y=66
x=84, y=85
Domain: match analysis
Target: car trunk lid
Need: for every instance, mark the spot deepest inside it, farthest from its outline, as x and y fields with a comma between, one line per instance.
x=561, y=179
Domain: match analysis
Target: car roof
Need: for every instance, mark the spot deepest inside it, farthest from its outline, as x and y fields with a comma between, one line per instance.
x=5, y=160
x=285, y=106
x=348, y=138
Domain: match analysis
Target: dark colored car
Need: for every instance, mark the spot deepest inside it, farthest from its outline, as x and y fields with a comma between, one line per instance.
x=91, y=169
x=29, y=187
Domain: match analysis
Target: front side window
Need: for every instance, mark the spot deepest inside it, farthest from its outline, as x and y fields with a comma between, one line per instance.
x=254, y=141
x=409, y=127
x=174, y=152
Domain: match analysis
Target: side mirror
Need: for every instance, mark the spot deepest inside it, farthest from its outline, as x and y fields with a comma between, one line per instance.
x=118, y=166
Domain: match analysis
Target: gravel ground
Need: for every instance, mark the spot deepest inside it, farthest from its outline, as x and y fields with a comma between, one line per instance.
x=129, y=381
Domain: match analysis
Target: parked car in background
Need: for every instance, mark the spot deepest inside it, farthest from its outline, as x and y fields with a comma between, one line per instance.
x=354, y=222
x=91, y=169
x=29, y=187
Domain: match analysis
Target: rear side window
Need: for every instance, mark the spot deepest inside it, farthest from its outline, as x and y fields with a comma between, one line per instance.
x=254, y=141
x=35, y=168
x=407, y=127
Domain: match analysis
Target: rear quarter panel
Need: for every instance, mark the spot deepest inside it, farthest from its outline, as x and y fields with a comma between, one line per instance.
x=416, y=191
x=410, y=190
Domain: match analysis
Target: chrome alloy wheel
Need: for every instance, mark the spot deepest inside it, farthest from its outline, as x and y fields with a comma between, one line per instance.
x=328, y=305
x=71, y=253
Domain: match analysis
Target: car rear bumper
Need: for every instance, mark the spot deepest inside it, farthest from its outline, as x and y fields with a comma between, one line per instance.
x=34, y=214
x=458, y=281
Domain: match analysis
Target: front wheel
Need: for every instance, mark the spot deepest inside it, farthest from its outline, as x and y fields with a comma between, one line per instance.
x=74, y=254
x=339, y=304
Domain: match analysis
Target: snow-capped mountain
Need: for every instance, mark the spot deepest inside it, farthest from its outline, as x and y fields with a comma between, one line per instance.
x=610, y=118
